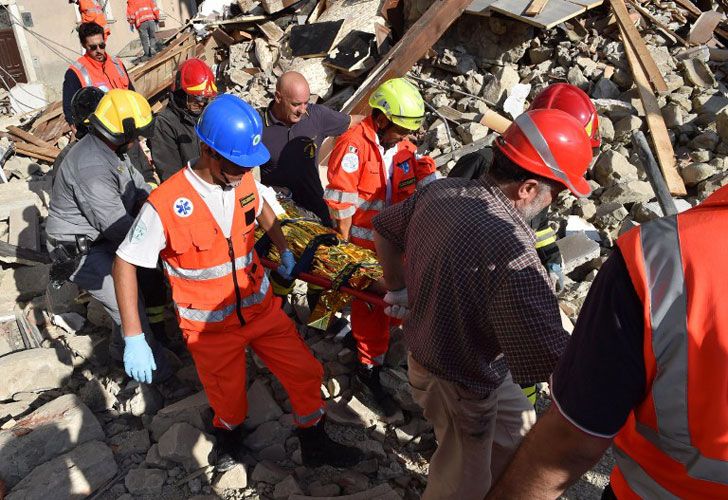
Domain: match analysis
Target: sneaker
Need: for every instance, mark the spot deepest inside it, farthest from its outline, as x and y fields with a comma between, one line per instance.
x=317, y=448
x=367, y=383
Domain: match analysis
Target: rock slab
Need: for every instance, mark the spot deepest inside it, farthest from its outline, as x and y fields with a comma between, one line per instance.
x=34, y=370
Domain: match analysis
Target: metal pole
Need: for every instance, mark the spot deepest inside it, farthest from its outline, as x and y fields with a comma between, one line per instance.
x=664, y=198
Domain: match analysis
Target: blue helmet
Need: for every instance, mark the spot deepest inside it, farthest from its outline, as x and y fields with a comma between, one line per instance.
x=233, y=128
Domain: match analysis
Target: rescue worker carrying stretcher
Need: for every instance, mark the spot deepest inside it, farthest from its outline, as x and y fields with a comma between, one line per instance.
x=374, y=165
x=201, y=222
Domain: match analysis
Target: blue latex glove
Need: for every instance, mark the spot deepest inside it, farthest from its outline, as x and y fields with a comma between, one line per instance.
x=138, y=359
x=556, y=274
x=288, y=261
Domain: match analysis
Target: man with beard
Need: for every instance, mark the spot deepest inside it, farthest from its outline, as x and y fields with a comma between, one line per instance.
x=175, y=142
x=460, y=263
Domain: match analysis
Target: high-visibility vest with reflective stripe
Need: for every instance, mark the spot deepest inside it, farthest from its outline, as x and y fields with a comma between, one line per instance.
x=357, y=178
x=91, y=12
x=216, y=282
x=107, y=75
x=675, y=443
x=139, y=11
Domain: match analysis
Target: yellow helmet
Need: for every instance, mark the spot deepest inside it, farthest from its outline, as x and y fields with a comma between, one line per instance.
x=122, y=116
x=401, y=103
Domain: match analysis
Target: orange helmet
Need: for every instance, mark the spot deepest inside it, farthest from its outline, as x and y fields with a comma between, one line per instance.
x=552, y=144
x=574, y=101
x=195, y=77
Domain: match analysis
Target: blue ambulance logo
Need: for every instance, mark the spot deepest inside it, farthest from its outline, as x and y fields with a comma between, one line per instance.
x=183, y=207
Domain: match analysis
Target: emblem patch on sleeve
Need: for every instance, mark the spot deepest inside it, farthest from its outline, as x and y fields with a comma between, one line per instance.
x=350, y=163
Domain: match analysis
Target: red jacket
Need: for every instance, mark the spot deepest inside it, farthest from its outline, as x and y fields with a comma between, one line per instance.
x=217, y=282
x=108, y=75
x=91, y=12
x=357, y=178
x=139, y=11
x=675, y=442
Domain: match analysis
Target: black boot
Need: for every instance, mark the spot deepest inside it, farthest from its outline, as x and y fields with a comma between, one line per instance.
x=367, y=382
x=227, y=449
x=317, y=448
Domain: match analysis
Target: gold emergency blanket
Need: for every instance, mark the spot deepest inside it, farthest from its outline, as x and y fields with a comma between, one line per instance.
x=330, y=262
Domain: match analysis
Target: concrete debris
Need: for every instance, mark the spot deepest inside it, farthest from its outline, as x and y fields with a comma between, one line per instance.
x=286, y=488
x=186, y=445
x=577, y=249
x=128, y=443
x=234, y=479
x=267, y=434
x=612, y=167
x=193, y=410
x=50, y=369
x=268, y=472
x=145, y=481
x=628, y=192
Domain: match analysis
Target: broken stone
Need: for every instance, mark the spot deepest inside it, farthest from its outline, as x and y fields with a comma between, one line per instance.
x=695, y=173
x=372, y=448
x=395, y=381
x=721, y=124
x=186, y=445
x=34, y=370
x=708, y=106
x=286, y=488
x=24, y=283
x=615, y=109
x=262, y=406
x=606, y=129
x=326, y=350
x=623, y=128
x=698, y=73
x=644, y=212
x=130, y=442
x=707, y=140
x=233, y=479
x=96, y=397
x=471, y=132
x=53, y=429
x=353, y=482
x=153, y=459
x=628, y=192
x=267, y=472
x=274, y=453
x=76, y=474
x=673, y=115
x=320, y=77
x=610, y=215
x=708, y=186
x=576, y=225
x=324, y=490
x=97, y=315
x=194, y=410
x=265, y=55
x=605, y=89
x=576, y=77
x=145, y=481
x=144, y=399
x=456, y=61
x=623, y=78
x=612, y=167
x=577, y=249
x=267, y=434
x=505, y=77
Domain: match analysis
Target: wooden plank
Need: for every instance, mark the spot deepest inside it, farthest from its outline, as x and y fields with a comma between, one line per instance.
x=535, y=7
x=656, y=124
x=34, y=151
x=271, y=31
x=648, y=15
x=314, y=40
x=631, y=36
x=25, y=228
x=222, y=38
x=28, y=137
x=272, y=6
x=702, y=30
x=588, y=4
x=414, y=44
x=555, y=12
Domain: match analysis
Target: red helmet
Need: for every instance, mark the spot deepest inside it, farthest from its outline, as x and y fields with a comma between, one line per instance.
x=552, y=144
x=195, y=78
x=572, y=100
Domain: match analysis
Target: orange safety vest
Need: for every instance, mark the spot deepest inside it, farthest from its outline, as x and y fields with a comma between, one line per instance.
x=675, y=443
x=217, y=282
x=357, y=178
x=139, y=11
x=108, y=75
x=91, y=12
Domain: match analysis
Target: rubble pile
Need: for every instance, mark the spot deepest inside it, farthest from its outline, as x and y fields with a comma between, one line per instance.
x=70, y=419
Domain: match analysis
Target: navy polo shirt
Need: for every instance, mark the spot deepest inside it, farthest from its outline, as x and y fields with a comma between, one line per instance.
x=294, y=154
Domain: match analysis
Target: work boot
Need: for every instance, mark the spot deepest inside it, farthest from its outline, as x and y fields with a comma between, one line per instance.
x=367, y=382
x=317, y=448
x=228, y=448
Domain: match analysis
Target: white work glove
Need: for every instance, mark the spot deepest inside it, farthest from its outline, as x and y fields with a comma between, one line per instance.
x=399, y=304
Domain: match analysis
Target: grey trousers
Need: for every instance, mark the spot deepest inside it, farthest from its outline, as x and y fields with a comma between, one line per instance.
x=94, y=275
x=147, y=34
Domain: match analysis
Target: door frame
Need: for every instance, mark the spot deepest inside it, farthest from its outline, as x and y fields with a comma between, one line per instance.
x=22, y=42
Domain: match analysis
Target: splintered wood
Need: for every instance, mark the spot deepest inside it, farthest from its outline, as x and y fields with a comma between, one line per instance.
x=658, y=130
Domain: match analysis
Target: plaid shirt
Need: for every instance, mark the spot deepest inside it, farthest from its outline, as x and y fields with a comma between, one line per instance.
x=480, y=300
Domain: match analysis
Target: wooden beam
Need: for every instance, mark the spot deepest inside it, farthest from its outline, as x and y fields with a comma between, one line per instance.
x=656, y=124
x=647, y=14
x=34, y=151
x=702, y=30
x=535, y=7
x=28, y=137
x=630, y=36
x=414, y=44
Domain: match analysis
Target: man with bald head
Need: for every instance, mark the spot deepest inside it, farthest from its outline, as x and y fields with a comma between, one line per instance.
x=293, y=133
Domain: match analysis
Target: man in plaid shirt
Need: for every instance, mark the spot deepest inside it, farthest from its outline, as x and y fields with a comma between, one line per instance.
x=480, y=316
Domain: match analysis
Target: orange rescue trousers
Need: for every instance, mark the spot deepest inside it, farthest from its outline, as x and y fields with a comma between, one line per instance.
x=220, y=361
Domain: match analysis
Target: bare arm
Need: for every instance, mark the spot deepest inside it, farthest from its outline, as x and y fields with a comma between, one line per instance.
x=390, y=257
x=127, y=296
x=270, y=224
x=553, y=456
x=343, y=226
x=355, y=120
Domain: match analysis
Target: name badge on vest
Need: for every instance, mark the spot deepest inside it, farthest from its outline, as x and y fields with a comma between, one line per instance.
x=247, y=200
x=406, y=182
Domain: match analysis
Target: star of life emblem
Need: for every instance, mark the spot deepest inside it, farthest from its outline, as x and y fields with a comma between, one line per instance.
x=183, y=207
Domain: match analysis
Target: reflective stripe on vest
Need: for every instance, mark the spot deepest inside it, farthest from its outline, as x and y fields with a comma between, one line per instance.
x=119, y=67
x=668, y=316
x=534, y=136
x=339, y=196
x=219, y=315
x=342, y=214
x=639, y=481
x=377, y=205
x=84, y=73
x=545, y=237
x=307, y=419
x=209, y=273
x=88, y=82
x=361, y=233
